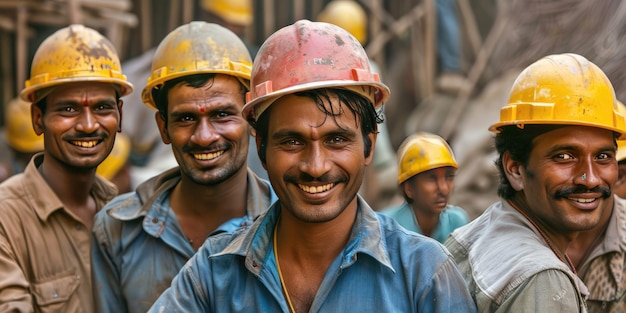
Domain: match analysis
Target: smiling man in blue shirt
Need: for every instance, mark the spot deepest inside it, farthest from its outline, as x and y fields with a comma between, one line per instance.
x=320, y=248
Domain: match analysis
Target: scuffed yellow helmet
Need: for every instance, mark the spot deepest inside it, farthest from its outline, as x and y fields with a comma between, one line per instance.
x=562, y=89
x=116, y=159
x=19, y=131
x=422, y=152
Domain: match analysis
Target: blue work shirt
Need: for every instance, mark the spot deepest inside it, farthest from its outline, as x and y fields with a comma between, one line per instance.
x=383, y=268
x=139, y=246
x=451, y=218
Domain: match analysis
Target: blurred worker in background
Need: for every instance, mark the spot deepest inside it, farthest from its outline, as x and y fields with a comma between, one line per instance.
x=200, y=74
x=379, y=184
x=20, y=142
x=599, y=254
x=320, y=247
x=450, y=74
x=236, y=15
x=116, y=167
x=46, y=213
x=556, y=145
x=426, y=170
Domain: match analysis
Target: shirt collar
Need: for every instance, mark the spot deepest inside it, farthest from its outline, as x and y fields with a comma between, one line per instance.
x=366, y=238
x=44, y=200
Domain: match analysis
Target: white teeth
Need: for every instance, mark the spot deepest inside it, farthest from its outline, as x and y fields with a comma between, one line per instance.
x=582, y=200
x=208, y=156
x=316, y=189
x=85, y=144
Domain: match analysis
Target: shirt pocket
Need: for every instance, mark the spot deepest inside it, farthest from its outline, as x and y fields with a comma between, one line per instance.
x=53, y=295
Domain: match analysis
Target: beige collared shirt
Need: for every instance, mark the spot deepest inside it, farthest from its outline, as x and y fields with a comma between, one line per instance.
x=44, y=248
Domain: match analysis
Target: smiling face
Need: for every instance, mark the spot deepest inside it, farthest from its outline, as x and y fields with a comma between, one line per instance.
x=315, y=162
x=568, y=179
x=430, y=190
x=209, y=137
x=79, y=123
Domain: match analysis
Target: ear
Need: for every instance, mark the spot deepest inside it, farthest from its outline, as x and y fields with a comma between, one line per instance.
x=257, y=140
x=514, y=171
x=621, y=175
x=162, y=128
x=120, y=104
x=37, y=119
x=368, y=158
x=406, y=190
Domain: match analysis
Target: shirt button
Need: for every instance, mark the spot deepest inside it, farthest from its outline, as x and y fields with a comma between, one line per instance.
x=55, y=295
x=254, y=264
x=79, y=227
x=155, y=220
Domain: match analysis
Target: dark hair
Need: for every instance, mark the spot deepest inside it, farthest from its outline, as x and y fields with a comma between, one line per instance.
x=519, y=143
x=195, y=81
x=365, y=114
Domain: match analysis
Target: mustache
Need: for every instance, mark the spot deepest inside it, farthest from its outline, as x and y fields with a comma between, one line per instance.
x=214, y=147
x=306, y=178
x=564, y=193
x=87, y=136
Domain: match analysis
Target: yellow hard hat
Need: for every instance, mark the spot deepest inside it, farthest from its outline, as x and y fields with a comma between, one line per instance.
x=197, y=48
x=422, y=152
x=238, y=12
x=348, y=15
x=116, y=159
x=621, y=144
x=562, y=89
x=75, y=54
x=19, y=131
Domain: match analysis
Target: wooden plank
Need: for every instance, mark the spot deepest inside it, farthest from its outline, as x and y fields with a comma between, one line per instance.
x=21, y=47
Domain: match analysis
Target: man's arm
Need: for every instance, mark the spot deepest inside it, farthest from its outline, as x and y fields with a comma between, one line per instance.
x=14, y=287
x=108, y=295
x=448, y=291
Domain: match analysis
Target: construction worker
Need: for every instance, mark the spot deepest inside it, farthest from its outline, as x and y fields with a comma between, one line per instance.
x=236, y=15
x=378, y=187
x=320, y=247
x=200, y=74
x=46, y=212
x=116, y=168
x=426, y=179
x=599, y=253
x=556, y=144
x=20, y=141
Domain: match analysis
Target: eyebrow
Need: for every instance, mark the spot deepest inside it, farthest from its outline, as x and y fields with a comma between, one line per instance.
x=573, y=147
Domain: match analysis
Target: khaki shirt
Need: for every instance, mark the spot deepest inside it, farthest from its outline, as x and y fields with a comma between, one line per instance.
x=44, y=248
x=509, y=268
x=604, y=271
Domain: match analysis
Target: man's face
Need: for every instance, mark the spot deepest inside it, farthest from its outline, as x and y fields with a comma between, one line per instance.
x=430, y=190
x=79, y=124
x=569, y=176
x=315, y=162
x=209, y=137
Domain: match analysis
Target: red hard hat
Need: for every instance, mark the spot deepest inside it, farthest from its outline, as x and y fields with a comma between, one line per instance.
x=310, y=55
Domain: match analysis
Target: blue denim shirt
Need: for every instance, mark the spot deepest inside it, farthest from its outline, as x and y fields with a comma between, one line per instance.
x=383, y=268
x=138, y=245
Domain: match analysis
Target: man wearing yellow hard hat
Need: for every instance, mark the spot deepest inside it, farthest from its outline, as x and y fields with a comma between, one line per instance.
x=20, y=140
x=46, y=212
x=200, y=73
x=556, y=140
x=601, y=250
x=426, y=170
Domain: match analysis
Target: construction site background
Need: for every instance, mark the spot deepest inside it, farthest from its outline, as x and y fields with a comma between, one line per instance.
x=498, y=39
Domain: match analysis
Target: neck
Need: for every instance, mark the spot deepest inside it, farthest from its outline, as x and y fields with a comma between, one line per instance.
x=426, y=220
x=72, y=186
x=227, y=198
x=317, y=243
